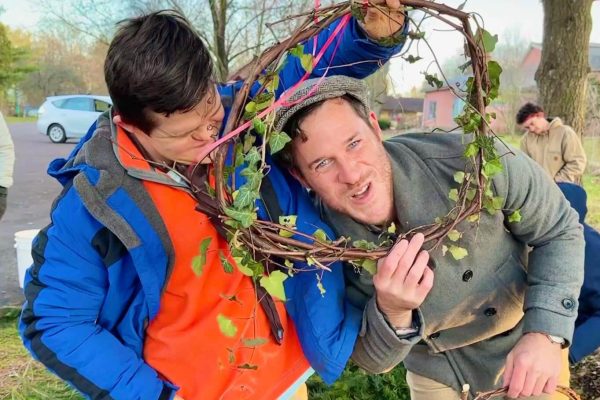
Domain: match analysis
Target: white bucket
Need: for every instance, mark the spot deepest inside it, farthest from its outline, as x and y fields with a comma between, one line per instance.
x=23, y=241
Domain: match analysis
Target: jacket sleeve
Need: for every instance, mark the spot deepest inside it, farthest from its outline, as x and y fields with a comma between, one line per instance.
x=357, y=56
x=551, y=228
x=574, y=157
x=7, y=155
x=586, y=339
x=378, y=348
x=65, y=289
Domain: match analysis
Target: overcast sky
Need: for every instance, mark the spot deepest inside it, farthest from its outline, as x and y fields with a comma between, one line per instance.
x=500, y=17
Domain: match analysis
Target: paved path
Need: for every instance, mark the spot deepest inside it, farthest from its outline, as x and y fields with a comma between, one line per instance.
x=29, y=200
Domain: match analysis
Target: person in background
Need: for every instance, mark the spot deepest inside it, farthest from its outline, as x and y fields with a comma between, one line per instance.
x=556, y=147
x=7, y=162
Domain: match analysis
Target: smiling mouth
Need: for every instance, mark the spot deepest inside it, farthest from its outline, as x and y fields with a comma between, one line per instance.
x=362, y=192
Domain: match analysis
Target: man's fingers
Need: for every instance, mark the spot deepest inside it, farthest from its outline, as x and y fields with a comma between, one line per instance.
x=531, y=380
x=393, y=4
x=550, y=386
x=508, y=370
x=415, y=273
x=538, y=389
x=387, y=265
x=408, y=258
x=426, y=283
x=517, y=381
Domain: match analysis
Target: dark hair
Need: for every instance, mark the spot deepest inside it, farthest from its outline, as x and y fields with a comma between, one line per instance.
x=526, y=111
x=156, y=62
x=285, y=157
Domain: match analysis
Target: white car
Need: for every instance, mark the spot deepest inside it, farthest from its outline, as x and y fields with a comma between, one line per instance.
x=65, y=117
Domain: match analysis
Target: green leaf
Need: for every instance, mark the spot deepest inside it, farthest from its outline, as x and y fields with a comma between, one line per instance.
x=285, y=233
x=461, y=6
x=263, y=101
x=288, y=220
x=488, y=41
x=454, y=235
x=370, y=266
x=246, y=218
x=320, y=286
x=227, y=267
x=392, y=228
x=416, y=35
x=248, y=142
x=494, y=71
x=492, y=167
x=306, y=60
x=320, y=235
x=297, y=51
x=412, y=59
x=453, y=195
x=515, y=216
x=498, y=202
x=259, y=126
x=277, y=141
x=273, y=84
x=473, y=218
x=250, y=107
x=245, y=197
x=199, y=261
x=273, y=284
x=255, y=342
x=226, y=326
x=288, y=263
x=458, y=253
x=459, y=177
x=434, y=81
x=239, y=155
x=253, y=177
x=253, y=156
x=364, y=245
x=471, y=193
x=471, y=150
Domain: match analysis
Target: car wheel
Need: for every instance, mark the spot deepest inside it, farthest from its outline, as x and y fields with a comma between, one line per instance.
x=57, y=133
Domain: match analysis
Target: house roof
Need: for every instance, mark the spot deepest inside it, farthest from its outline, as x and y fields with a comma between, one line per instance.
x=402, y=104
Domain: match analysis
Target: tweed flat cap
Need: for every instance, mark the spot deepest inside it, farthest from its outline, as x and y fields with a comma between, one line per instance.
x=314, y=90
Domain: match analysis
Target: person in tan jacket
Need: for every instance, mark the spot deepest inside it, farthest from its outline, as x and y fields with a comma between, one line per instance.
x=552, y=144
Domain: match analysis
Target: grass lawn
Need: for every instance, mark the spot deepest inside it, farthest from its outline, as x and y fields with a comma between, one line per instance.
x=23, y=378
x=16, y=120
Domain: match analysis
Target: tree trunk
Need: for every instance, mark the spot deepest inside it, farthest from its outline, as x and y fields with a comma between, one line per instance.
x=562, y=74
x=218, y=10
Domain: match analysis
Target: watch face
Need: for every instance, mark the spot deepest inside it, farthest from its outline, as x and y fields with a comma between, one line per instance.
x=556, y=339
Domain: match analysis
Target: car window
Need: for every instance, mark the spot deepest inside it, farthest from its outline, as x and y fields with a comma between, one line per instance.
x=58, y=103
x=78, y=103
x=101, y=106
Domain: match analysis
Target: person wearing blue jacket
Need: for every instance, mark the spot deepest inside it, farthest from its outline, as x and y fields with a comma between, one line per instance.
x=111, y=304
x=586, y=339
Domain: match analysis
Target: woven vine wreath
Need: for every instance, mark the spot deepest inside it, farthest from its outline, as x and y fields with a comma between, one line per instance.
x=263, y=249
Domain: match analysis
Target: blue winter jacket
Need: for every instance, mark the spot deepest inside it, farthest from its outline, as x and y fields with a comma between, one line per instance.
x=100, y=266
x=586, y=338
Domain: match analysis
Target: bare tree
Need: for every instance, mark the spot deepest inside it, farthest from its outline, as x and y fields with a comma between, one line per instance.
x=562, y=74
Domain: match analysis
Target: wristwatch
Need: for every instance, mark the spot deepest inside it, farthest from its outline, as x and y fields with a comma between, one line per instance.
x=556, y=339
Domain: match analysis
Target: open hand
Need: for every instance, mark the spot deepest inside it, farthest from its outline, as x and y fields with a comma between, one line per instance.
x=533, y=366
x=403, y=280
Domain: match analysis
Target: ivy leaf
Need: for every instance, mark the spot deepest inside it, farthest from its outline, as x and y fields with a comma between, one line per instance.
x=473, y=218
x=472, y=149
x=273, y=284
x=458, y=252
x=287, y=221
x=459, y=177
x=454, y=235
x=255, y=342
x=412, y=59
x=253, y=177
x=250, y=107
x=248, y=142
x=453, y=195
x=297, y=51
x=199, y=261
x=320, y=235
x=489, y=41
x=492, y=167
x=444, y=250
x=263, y=101
x=515, y=216
x=392, y=228
x=226, y=326
x=416, y=35
x=306, y=60
x=434, y=81
x=253, y=156
x=364, y=245
x=246, y=218
x=370, y=266
x=471, y=193
x=277, y=141
x=273, y=84
x=288, y=263
x=227, y=267
x=320, y=286
x=239, y=155
x=259, y=126
x=461, y=6
x=494, y=71
x=245, y=197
